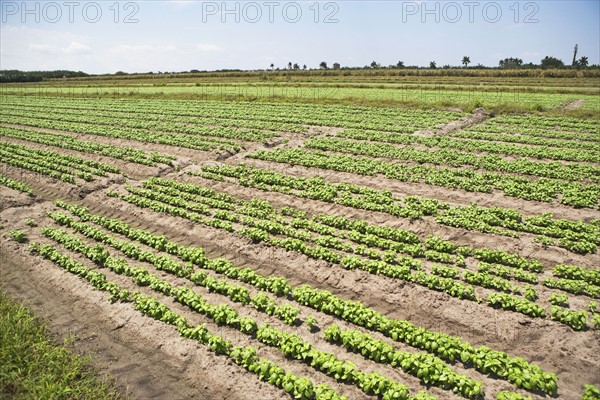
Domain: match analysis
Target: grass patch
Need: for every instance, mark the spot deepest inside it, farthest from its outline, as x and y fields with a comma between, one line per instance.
x=32, y=367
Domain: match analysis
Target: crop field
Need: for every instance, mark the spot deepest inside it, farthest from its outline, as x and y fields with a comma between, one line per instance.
x=528, y=98
x=263, y=241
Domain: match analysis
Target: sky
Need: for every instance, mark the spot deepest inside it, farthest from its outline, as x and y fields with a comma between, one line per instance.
x=174, y=35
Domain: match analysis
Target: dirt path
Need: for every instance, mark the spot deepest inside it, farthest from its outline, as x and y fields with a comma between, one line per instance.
x=572, y=105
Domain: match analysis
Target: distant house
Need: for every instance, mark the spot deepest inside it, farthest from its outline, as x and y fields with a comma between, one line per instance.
x=336, y=65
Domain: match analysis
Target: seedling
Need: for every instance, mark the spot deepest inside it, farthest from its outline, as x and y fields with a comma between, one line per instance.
x=18, y=236
x=311, y=323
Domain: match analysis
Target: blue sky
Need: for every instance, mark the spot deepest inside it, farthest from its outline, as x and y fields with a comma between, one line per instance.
x=169, y=35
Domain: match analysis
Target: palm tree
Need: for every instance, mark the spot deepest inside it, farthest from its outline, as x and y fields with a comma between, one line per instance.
x=466, y=61
x=583, y=61
x=432, y=65
x=272, y=65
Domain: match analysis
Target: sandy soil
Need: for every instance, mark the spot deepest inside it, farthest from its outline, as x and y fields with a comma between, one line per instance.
x=575, y=104
x=149, y=360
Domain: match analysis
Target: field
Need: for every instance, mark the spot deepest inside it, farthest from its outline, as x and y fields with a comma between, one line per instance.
x=311, y=237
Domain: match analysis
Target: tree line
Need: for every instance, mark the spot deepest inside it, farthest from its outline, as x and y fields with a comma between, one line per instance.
x=547, y=62
x=14, y=75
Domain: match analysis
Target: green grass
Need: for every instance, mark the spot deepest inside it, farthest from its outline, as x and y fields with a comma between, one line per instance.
x=32, y=367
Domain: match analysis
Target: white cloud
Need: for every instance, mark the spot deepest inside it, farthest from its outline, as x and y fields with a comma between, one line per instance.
x=73, y=48
x=143, y=48
x=208, y=48
x=33, y=48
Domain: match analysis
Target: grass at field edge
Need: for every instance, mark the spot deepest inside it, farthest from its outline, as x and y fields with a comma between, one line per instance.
x=33, y=367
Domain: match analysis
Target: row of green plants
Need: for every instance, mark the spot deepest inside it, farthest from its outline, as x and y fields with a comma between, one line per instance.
x=496, y=220
x=52, y=164
x=428, y=368
x=461, y=154
x=571, y=143
x=64, y=141
x=401, y=269
x=236, y=293
x=16, y=185
x=159, y=115
x=509, y=302
x=160, y=120
x=574, y=194
x=253, y=135
x=291, y=345
x=343, y=116
x=266, y=231
x=387, y=264
x=359, y=231
x=140, y=135
x=566, y=271
x=298, y=387
x=542, y=126
x=508, y=273
x=452, y=349
x=449, y=348
x=94, y=167
x=574, y=286
x=195, y=255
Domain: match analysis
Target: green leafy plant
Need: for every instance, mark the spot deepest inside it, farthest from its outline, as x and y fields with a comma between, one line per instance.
x=506, y=395
x=574, y=319
x=311, y=323
x=559, y=299
x=590, y=392
x=530, y=293
x=18, y=236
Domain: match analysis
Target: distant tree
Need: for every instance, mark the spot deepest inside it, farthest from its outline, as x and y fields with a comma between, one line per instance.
x=323, y=65
x=552, y=62
x=290, y=65
x=432, y=65
x=583, y=62
x=37, y=76
x=466, y=61
x=400, y=64
x=374, y=64
x=304, y=66
x=511, y=62
x=272, y=65
x=296, y=66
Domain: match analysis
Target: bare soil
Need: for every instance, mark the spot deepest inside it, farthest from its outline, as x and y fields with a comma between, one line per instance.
x=149, y=360
x=573, y=105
